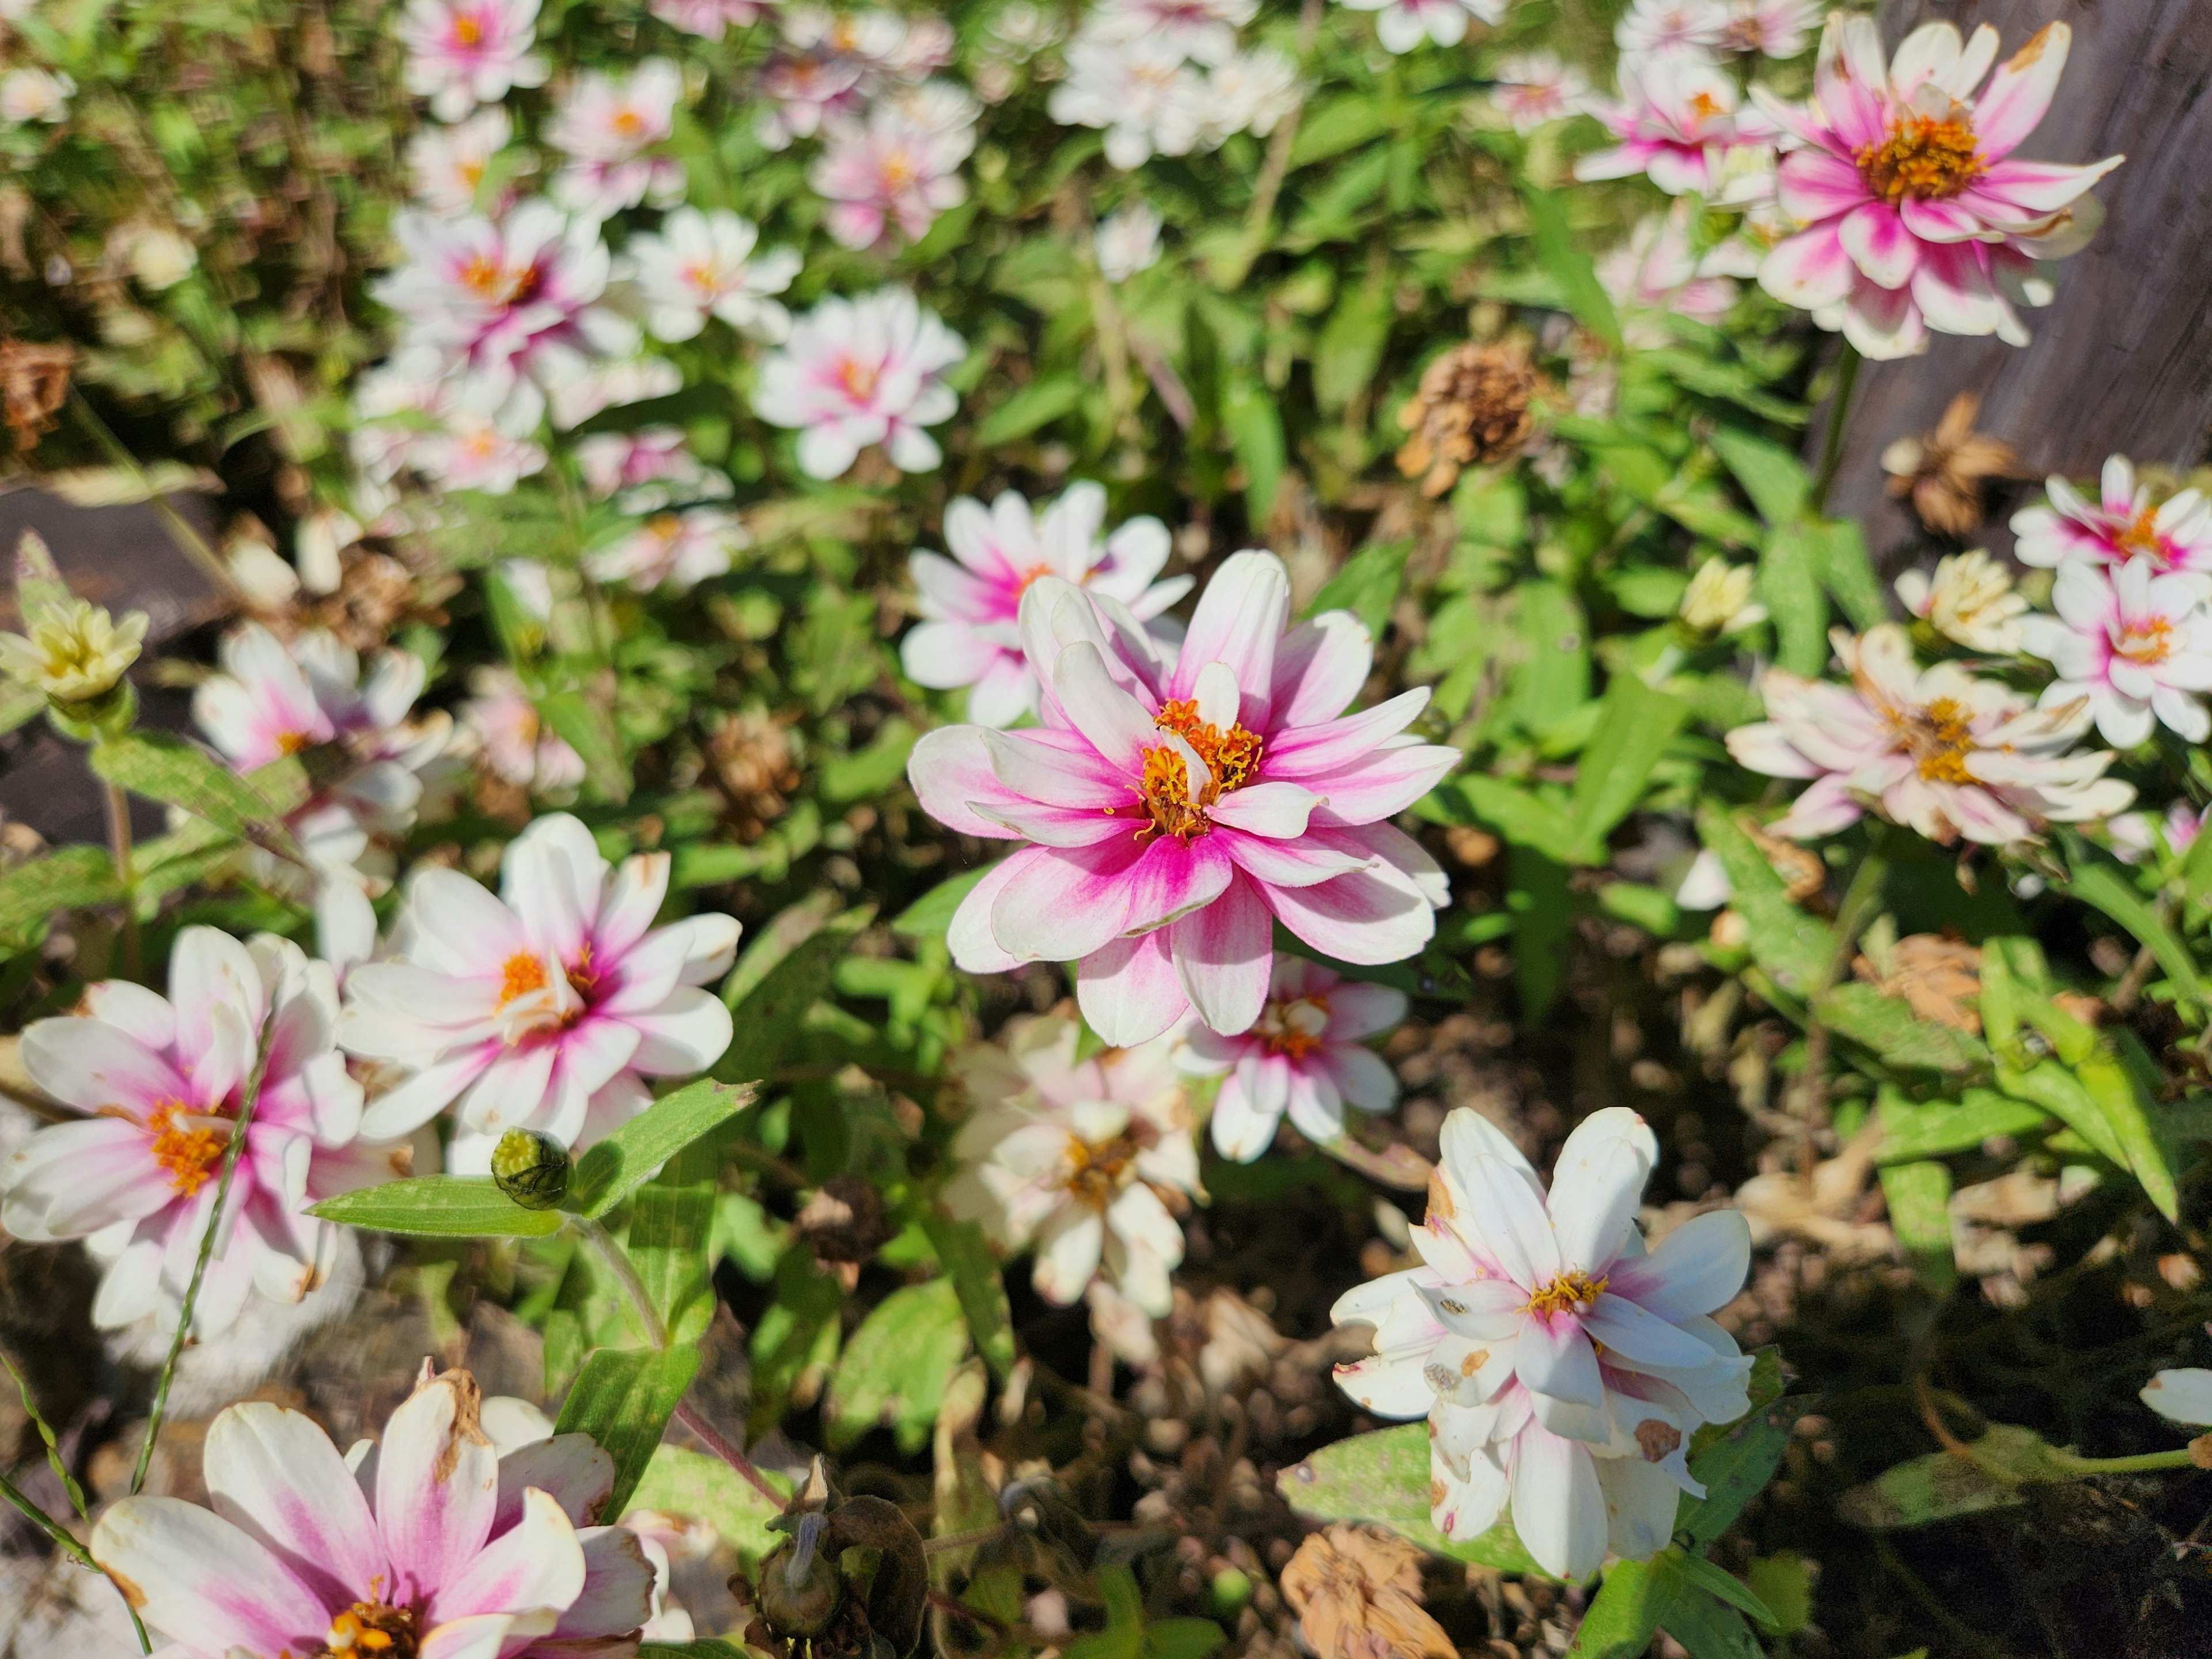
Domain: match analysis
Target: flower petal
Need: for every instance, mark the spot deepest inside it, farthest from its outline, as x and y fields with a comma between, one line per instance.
x=186, y=1570
x=275, y=1475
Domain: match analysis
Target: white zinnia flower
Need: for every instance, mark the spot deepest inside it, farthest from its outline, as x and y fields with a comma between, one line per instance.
x=1074, y=1157
x=860, y=372
x=2137, y=644
x=1560, y=1364
x=711, y=265
x=34, y=94
x=1405, y=24
x=1128, y=241
x=1147, y=98
x=1970, y=602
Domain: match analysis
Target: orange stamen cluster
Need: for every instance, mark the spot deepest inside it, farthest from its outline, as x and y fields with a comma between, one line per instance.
x=1097, y=1173
x=1281, y=1034
x=373, y=1628
x=189, y=1154
x=1939, y=738
x=859, y=379
x=1923, y=160
x=2142, y=534
x=2145, y=642
x=1231, y=757
x=1572, y=1291
x=467, y=31
x=582, y=977
x=523, y=974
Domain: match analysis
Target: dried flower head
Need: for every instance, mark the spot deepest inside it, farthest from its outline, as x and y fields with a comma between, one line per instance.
x=35, y=381
x=1471, y=408
x=1969, y=601
x=751, y=753
x=1357, y=1593
x=1940, y=977
x=1942, y=473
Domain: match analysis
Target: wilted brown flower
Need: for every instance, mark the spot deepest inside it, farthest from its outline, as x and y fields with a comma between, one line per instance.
x=844, y=1221
x=1472, y=407
x=1798, y=867
x=1357, y=1593
x=1940, y=977
x=1941, y=472
x=34, y=378
x=376, y=593
x=751, y=753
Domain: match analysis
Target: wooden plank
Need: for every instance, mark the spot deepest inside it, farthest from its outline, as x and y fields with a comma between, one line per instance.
x=2122, y=359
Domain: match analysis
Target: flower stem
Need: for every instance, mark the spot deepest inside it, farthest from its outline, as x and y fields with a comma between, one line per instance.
x=1852, y=919
x=250, y=1099
x=119, y=846
x=1839, y=405
x=615, y=1259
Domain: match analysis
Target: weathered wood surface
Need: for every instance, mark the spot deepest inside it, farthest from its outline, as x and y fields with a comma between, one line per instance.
x=2122, y=359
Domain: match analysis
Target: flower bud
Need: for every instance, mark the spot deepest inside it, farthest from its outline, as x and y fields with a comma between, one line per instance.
x=531, y=1168
x=800, y=1587
x=76, y=655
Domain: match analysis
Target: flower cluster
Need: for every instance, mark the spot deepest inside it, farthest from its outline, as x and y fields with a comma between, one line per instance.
x=1173, y=810
x=1167, y=77
x=1562, y=1364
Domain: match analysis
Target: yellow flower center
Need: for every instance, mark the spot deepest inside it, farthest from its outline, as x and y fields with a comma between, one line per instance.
x=291, y=743
x=188, y=1153
x=523, y=974
x=373, y=1628
x=1704, y=106
x=1231, y=757
x=467, y=31
x=1096, y=1173
x=1573, y=1291
x=628, y=122
x=1939, y=738
x=859, y=379
x=1923, y=159
x=2147, y=642
x=2142, y=534
x=1295, y=1028
x=899, y=170
x=583, y=978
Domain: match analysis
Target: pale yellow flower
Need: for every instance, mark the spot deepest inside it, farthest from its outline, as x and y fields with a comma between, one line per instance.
x=1719, y=599
x=75, y=652
x=1970, y=602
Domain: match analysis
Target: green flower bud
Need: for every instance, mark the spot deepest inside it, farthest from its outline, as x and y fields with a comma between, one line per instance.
x=531, y=1168
x=800, y=1588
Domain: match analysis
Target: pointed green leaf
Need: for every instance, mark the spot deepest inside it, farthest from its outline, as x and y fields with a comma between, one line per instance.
x=896, y=1366
x=1383, y=1477
x=700, y=1487
x=1633, y=731
x=610, y=1169
x=439, y=1206
x=179, y=774
x=623, y=1398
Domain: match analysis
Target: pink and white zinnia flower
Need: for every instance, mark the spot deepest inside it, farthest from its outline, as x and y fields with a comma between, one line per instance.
x=889, y=169
x=1173, y=814
x=674, y=550
x=515, y=744
x=604, y=125
x=160, y=1081
x=709, y=19
x=544, y=1008
x=1561, y=1366
x=1079, y=1159
x=429, y=1539
x=2122, y=524
x=461, y=53
x=1306, y=1055
x=861, y=372
x=711, y=265
x=1941, y=751
x=1535, y=88
x=1405, y=24
x=1678, y=121
x=446, y=165
x=970, y=634
x=2137, y=644
x=1915, y=213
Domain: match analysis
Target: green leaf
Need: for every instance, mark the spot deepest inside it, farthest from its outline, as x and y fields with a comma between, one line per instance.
x=1370, y=580
x=1570, y=267
x=930, y=915
x=1633, y=731
x=782, y=974
x=672, y=1226
x=1624, y=1614
x=1256, y=432
x=1919, y=1199
x=1383, y=1477
x=1733, y=1470
x=1526, y=820
x=179, y=774
x=966, y=1255
x=699, y=1487
x=1124, y=1635
x=896, y=1366
x=1944, y=1485
x=2105, y=884
x=67, y=878
x=2114, y=1090
x=1848, y=573
x=1794, y=948
x=1542, y=904
x=610, y=1169
x=1790, y=587
x=868, y=772
x=1640, y=907
x=1337, y=126
x=1350, y=348
x=1888, y=1026
x=1038, y=404
x=1552, y=680
x=2049, y=1085
x=1721, y=1585
x=1706, y=1627
x=439, y=1206
x=587, y=725
x=1911, y=1131
x=1182, y=1638
x=1783, y=1581
x=1775, y=479
x=623, y=1398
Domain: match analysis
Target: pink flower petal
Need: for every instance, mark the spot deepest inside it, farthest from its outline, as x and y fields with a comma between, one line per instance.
x=1299, y=863
x=275, y=1475
x=1300, y=752
x=1118, y=727
x=2021, y=91
x=1128, y=990
x=437, y=1486
x=1808, y=271
x=1320, y=667
x=969, y=937
x=191, y=1571
x=1238, y=623
x=1878, y=244
x=1367, y=916
x=1064, y=902
x=538, y=1563
x=1222, y=954
x=951, y=773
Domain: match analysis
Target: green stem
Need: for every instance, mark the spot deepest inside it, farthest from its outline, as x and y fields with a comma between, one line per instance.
x=1851, y=918
x=1832, y=446
x=67, y=1543
x=615, y=1259
x=230, y=1157
x=119, y=846
x=2141, y=1463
